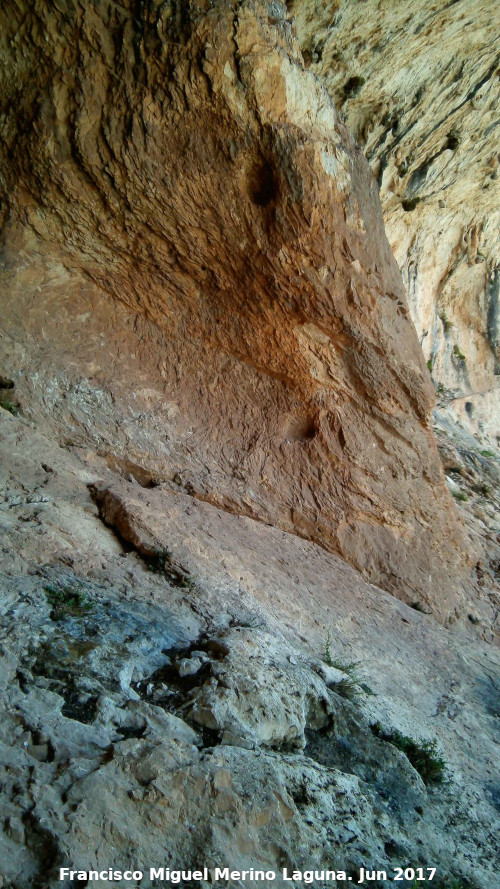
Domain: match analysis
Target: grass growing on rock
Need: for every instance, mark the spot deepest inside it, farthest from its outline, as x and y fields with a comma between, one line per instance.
x=352, y=686
x=66, y=601
x=423, y=755
x=447, y=324
x=161, y=562
x=328, y=650
x=9, y=406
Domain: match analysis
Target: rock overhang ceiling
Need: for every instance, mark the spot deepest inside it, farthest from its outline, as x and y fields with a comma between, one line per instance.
x=189, y=167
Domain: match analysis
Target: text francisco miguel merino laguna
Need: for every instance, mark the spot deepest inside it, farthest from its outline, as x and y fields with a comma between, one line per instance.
x=217, y=873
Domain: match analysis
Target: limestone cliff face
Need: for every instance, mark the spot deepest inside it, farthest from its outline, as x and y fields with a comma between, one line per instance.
x=195, y=265
x=418, y=85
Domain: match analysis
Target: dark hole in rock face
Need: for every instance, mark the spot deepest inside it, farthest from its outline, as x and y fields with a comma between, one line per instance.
x=409, y=204
x=261, y=183
x=299, y=429
x=131, y=731
x=353, y=86
x=76, y=708
x=469, y=407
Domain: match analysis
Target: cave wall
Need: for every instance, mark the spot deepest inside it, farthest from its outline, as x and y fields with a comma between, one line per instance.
x=418, y=85
x=190, y=229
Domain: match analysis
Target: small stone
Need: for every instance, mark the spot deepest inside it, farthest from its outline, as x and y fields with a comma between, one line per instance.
x=15, y=832
x=330, y=675
x=292, y=659
x=38, y=751
x=189, y=666
x=202, y=655
x=230, y=739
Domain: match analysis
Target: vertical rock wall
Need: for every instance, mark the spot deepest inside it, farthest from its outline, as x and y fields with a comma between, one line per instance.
x=418, y=85
x=180, y=161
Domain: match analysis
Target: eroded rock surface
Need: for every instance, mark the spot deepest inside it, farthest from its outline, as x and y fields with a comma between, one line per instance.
x=114, y=755
x=198, y=281
x=418, y=85
x=210, y=388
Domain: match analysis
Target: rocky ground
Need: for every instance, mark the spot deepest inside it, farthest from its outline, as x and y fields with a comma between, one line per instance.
x=179, y=687
x=473, y=478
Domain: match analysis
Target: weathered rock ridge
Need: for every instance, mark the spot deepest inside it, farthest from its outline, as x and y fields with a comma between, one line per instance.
x=418, y=85
x=196, y=279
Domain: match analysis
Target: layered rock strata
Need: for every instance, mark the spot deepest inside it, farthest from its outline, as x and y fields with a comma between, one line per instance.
x=419, y=88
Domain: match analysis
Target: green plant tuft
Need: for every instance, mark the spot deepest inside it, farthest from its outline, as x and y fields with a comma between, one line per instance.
x=328, y=652
x=423, y=755
x=9, y=406
x=348, y=688
x=487, y=454
x=66, y=601
x=458, y=353
x=445, y=321
x=161, y=562
x=351, y=667
x=460, y=495
x=353, y=685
